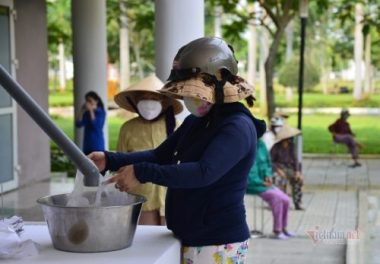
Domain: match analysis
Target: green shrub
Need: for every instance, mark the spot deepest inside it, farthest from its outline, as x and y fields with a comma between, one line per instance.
x=288, y=75
x=60, y=162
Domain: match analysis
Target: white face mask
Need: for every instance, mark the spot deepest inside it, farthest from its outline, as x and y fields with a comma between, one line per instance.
x=197, y=107
x=277, y=129
x=149, y=109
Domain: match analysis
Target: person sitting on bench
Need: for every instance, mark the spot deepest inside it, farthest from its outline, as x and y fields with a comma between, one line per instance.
x=260, y=183
x=342, y=133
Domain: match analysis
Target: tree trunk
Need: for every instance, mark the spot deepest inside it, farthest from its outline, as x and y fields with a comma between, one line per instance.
x=252, y=42
x=269, y=68
x=136, y=50
x=263, y=56
x=62, y=66
x=218, y=11
x=289, y=41
x=124, y=46
x=324, y=71
x=368, y=67
x=358, y=51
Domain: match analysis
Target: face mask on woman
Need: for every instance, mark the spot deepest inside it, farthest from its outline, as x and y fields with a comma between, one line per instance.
x=149, y=109
x=277, y=129
x=197, y=107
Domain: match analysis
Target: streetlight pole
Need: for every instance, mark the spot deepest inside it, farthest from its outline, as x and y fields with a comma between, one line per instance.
x=303, y=17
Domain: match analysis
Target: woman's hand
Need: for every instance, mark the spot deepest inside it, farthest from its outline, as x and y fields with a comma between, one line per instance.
x=125, y=179
x=299, y=176
x=99, y=158
x=268, y=182
x=281, y=173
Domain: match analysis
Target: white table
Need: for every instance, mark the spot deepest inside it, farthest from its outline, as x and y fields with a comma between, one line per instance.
x=151, y=245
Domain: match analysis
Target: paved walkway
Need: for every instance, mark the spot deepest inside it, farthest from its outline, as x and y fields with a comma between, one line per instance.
x=331, y=202
x=330, y=199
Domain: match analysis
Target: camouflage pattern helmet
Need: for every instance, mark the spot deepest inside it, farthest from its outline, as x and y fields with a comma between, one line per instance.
x=209, y=54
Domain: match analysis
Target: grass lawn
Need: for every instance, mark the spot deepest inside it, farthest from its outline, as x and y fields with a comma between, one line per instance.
x=331, y=100
x=66, y=98
x=114, y=124
x=317, y=139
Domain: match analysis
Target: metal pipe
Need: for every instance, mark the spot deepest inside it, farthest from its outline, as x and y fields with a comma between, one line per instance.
x=35, y=111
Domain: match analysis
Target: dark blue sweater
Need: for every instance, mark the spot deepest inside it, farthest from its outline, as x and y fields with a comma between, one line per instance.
x=204, y=164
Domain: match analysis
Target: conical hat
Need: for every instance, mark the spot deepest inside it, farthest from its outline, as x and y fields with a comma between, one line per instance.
x=151, y=85
x=200, y=87
x=287, y=132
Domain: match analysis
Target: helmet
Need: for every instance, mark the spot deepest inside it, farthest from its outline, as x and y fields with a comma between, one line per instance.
x=206, y=69
x=208, y=55
x=277, y=121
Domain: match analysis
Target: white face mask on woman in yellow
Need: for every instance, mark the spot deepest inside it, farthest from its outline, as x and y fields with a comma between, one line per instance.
x=149, y=109
x=197, y=107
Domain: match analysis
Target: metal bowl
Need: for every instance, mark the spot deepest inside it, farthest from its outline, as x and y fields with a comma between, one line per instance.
x=110, y=226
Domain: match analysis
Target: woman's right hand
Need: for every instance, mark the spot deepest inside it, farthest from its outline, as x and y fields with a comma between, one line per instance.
x=99, y=158
x=281, y=173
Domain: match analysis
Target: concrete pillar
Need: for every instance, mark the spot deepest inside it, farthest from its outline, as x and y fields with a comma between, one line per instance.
x=177, y=23
x=89, y=54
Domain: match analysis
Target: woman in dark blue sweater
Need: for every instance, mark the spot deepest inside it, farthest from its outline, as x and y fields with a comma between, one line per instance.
x=92, y=118
x=206, y=161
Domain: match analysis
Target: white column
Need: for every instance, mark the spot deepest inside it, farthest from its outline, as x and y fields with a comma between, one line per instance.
x=358, y=50
x=177, y=23
x=89, y=54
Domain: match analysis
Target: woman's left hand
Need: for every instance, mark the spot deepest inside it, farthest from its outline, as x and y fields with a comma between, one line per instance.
x=125, y=179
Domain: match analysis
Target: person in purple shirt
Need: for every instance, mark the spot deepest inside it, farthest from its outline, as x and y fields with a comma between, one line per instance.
x=342, y=133
x=206, y=161
x=92, y=117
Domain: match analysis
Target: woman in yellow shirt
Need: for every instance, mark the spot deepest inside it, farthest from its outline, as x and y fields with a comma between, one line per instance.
x=155, y=122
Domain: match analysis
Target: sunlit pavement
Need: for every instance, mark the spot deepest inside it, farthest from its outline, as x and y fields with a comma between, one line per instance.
x=330, y=198
x=332, y=207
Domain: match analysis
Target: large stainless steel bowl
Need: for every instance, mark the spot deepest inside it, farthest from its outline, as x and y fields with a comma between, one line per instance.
x=108, y=227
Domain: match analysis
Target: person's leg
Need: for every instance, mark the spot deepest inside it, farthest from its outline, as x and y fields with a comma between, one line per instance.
x=296, y=186
x=284, y=200
x=352, y=145
x=150, y=218
x=296, y=193
x=272, y=197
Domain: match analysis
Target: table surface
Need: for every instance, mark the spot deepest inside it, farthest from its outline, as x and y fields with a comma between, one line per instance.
x=151, y=245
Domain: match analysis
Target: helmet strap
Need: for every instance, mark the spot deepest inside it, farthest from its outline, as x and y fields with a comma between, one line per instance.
x=219, y=91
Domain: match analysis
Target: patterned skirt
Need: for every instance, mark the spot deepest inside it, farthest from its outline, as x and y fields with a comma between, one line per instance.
x=234, y=253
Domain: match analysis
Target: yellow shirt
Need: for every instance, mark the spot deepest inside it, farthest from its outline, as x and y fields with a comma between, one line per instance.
x=139, y=134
